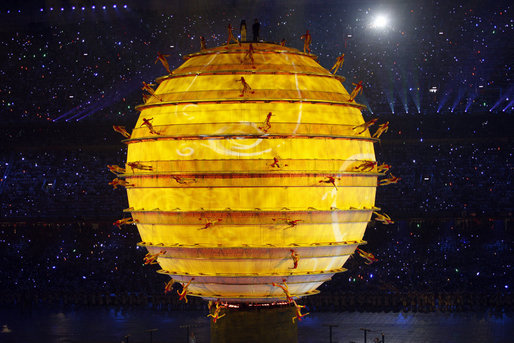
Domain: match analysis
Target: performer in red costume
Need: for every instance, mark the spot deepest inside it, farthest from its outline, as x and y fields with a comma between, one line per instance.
x=139, y=165
x=148, y=124
x=358, y=89
x=365, y=126
x=285, y=288
x=267, y=124
x=366, y=166
x=148, y=87
x=168, y=286
x=307, y=39
x=299, y=314
x=164, y=61
x=338, y=64
x=389, y=181
x=124, y=221
x=119, y=183
x=295, y=257
x=382, y=128
x=231, y=35
x=183, y=294
x=210, y=224
x=384, y=218
x=115, y=169
x=152, y=258
x=121, y=129
x=369, y=257
x=217, y=311
x=246, y=87
x=331, y=180
x=383, y=168
x=249, y=56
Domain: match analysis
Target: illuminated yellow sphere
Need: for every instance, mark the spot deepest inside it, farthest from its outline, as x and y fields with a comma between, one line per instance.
x=234, y=196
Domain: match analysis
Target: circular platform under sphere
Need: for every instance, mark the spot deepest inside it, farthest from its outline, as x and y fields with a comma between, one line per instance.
x=239, y=199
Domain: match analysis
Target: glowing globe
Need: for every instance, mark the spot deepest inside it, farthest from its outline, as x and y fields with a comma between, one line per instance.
x=234, y=200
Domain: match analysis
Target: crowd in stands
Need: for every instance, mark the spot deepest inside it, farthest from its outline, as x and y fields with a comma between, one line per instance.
x=423, y=266
x=89, y=64
x=450, y=247
x=466, y=172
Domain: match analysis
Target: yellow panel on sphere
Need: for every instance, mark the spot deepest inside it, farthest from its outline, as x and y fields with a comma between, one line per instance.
x=243, y=173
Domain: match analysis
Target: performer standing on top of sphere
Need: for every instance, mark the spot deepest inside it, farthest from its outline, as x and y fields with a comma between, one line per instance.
x=307, y=41
x=255, y=30
x=242, y=30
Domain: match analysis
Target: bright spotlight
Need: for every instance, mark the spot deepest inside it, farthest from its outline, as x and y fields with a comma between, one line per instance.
x=380, y=21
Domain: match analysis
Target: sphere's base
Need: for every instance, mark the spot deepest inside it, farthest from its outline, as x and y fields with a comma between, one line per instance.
x=256, y=324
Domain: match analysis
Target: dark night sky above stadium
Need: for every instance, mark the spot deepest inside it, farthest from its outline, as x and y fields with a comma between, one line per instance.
x=85, y=60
